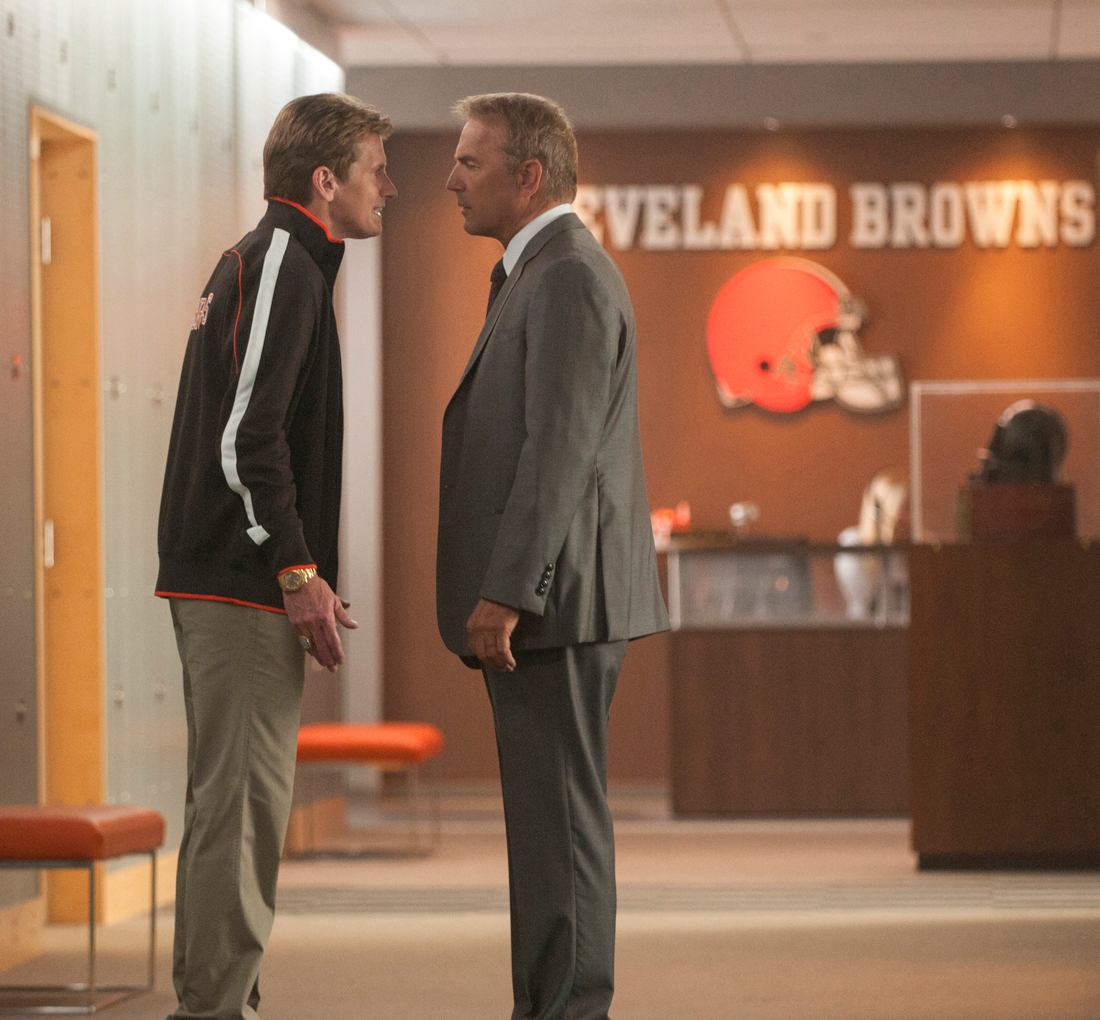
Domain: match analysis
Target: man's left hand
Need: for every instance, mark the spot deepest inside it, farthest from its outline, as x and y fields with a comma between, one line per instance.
x=313, y=611
x=489, y=630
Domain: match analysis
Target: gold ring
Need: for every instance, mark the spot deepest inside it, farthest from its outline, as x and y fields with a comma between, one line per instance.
x=306, y=642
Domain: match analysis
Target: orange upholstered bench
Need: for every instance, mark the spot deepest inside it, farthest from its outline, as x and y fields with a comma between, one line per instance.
x=388, y=745
x=79, y=837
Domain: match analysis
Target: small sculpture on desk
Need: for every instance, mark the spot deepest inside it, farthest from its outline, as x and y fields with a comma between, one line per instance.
x=874, y=583
x=1017, y=491
x=742, y=515
x=669, y=521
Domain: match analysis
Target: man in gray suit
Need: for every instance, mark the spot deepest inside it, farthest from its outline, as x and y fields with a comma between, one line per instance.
x=546, y=566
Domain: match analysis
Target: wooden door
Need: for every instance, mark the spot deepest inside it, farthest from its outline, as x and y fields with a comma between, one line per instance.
x=68, y=478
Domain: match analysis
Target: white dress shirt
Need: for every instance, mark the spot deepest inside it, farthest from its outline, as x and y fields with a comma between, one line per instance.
x=519, y=242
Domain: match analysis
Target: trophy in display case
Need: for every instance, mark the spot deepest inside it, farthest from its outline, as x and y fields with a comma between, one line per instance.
x=1017, y=491
x=1030, y=481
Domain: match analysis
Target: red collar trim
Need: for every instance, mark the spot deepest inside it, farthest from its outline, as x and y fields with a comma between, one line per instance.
x=302, y=209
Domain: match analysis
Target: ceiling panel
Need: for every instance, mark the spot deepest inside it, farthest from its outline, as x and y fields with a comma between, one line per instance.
x=495, y=32
x=541, y=13
x=691, y=37
x=930, y=7
x=816, y=32
x=696, y=35
x=535, y=14
x=383, y=45
x=1079, y=30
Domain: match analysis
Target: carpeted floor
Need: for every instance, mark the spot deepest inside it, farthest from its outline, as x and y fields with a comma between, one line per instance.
x=818, y=920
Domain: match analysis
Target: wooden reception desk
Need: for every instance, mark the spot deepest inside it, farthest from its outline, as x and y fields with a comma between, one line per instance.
x=789, y=722
x=782, y=705
x=1005, y=704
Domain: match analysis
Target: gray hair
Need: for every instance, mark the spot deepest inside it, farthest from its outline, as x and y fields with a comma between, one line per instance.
x=536, y=128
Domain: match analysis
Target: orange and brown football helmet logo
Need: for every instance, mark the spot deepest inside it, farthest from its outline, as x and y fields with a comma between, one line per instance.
x=783, y=332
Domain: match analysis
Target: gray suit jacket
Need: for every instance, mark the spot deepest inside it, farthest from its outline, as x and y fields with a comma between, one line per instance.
x=542, y=501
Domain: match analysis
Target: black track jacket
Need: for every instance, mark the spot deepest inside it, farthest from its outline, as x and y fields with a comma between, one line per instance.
x=252, y=486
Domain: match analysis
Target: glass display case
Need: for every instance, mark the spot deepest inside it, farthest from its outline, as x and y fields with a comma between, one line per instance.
x=950, y=425
x=788, y=677
x=719, y=582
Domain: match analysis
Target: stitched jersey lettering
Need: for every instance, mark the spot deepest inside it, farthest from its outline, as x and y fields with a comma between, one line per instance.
x=202, y=311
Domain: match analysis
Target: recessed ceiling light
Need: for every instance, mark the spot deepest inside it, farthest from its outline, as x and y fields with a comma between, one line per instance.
x=1008, y=120
x=771, y=123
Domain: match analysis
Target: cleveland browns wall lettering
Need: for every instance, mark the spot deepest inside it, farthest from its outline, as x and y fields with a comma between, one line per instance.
x=802, y=216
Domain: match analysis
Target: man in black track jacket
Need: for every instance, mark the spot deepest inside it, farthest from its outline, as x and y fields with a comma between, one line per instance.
x=248, y=530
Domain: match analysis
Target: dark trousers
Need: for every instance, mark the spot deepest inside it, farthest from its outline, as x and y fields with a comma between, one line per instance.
x=551, y=718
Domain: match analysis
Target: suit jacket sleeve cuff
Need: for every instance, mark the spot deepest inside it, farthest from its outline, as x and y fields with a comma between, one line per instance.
x=528, y=597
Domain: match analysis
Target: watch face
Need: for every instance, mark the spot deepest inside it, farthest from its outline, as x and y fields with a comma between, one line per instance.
x=292, y=580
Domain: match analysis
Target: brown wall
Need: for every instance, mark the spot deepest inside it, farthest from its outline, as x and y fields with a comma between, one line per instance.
x=947, y=314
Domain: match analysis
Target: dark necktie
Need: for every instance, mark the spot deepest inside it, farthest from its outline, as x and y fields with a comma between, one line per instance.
x=496, y=281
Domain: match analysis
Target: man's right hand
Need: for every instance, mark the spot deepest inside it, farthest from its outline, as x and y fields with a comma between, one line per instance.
x=313, y=611
x=489, y=631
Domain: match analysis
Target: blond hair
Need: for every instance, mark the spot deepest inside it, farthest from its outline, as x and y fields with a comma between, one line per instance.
x=313, y=131
x=535, y=128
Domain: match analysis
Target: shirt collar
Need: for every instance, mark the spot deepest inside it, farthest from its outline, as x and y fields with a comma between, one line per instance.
x=313, y=235
x=519, y=242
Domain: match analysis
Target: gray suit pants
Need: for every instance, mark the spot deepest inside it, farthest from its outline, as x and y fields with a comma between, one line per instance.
x=551, y=719
x=243, y=671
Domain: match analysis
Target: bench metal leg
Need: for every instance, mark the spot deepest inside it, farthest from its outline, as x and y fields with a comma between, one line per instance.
x=312, y=809
x=437, y=819
x=152, y=920
x=91, y=935
x=412, y=780
x=95, y=996
x=434, y=822
x=418, y=843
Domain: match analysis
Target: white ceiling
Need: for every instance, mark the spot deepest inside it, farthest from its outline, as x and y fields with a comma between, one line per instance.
x=377, y=33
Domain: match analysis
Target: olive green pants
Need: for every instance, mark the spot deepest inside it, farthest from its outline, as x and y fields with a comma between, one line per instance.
x=243, y=671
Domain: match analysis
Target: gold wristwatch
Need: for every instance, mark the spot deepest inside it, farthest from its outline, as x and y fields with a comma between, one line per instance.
x=295, y=579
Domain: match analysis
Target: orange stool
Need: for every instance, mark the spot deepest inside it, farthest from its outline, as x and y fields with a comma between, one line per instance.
x=78, y=837
x=391, y=746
